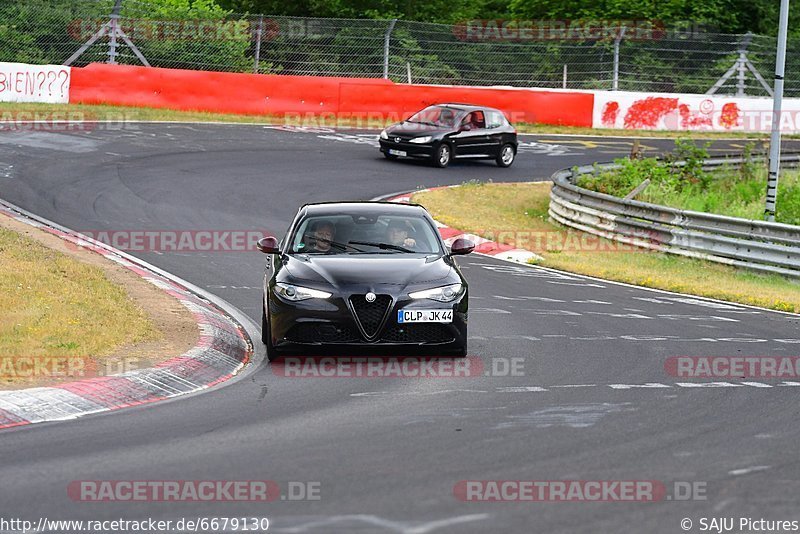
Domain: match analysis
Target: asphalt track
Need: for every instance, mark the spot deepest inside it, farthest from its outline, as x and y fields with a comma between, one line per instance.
x=388, y=452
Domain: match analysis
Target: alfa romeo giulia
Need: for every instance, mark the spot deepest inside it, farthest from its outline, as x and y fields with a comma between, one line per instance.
x=364, y=274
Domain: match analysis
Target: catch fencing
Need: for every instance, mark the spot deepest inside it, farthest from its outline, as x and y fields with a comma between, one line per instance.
x=593, y=55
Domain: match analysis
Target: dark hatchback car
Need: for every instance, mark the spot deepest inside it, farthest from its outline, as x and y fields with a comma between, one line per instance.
x=364, y=274
x=447, y=131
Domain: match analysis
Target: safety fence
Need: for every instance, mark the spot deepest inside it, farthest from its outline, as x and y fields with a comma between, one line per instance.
x=759, y=245
x=629, y=55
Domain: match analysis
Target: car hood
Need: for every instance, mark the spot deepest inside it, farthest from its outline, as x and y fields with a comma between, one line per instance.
x=370, y=272
x=414, y=129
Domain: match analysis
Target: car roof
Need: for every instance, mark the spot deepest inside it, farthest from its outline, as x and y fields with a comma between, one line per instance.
x=342, y=208
x=465, y=107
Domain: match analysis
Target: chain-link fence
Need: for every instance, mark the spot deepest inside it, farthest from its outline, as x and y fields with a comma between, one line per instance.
x=79, y=32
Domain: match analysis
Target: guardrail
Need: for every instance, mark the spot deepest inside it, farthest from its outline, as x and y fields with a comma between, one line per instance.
x=759, y=245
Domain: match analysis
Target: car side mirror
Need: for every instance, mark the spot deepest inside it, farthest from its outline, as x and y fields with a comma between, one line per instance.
x=465, y=128
x=268, y=245
x=461, y=246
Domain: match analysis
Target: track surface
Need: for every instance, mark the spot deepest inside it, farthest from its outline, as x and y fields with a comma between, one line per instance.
x=387, y=452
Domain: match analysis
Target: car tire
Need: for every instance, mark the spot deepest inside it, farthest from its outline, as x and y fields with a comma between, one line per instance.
x=390, y=157
x=460, y=353
x=442, y=155
x=266, y=335
x=506, y=156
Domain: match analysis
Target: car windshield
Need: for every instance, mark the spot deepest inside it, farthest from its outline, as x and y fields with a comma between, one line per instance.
x=365, y=233
x=436, y=116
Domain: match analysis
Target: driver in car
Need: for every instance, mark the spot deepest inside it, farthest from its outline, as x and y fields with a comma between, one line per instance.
x=397, y=234
x=320, y=237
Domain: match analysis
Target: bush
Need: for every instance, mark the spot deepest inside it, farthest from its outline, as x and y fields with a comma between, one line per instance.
x=738, y=192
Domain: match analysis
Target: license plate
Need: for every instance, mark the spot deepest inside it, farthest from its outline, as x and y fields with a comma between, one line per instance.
x=394, y=152
x=425, y=316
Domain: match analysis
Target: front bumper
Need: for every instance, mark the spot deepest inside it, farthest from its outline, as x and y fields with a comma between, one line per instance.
x=332, y=322
x=413, y=150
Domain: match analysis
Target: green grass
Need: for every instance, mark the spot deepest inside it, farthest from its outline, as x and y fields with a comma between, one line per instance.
x=731, y=191
x=516, y=214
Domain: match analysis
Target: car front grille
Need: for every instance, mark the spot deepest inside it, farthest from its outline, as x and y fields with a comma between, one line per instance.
x=418, y=333
x=370, y=315
x=321, y=332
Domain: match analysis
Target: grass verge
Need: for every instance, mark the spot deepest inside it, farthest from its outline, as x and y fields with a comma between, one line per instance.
x=66, y=318
x=737, y=191
x=131, y=113
x=516, y=214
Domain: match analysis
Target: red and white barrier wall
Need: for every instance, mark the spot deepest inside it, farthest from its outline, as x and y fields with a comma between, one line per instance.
x=669, y=111
x=367, y=98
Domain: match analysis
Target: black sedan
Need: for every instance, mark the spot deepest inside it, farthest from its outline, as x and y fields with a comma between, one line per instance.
x=364, y=274
x=446, y=131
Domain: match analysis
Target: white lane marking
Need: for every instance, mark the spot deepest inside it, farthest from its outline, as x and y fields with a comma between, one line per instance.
x=395, y=526
x=614, y=387
x=489, y=310
x=708, y=385
x=574, y=416
x=534, y=311
x=637, y=338
x=545, y=271
x=414, y=393
x=234, y=287
x=643, y=386
x=520, y=389
x=591, y=302
x=679, y=317
x=723, y=504
x=547, y=149
x=621, y=315
x=577, y=284
x=746, y=470
x=707, y=304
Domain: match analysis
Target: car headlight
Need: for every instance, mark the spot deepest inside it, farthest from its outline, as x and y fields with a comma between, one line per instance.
x=442, y=294
x=384, y=135
x=295, y=293
x=421, y=140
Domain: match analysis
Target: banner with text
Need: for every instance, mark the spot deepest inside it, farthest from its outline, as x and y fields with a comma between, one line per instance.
x=34, y=83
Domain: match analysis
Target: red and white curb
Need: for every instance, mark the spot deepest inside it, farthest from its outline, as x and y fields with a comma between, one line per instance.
x=482, y=246
x=222, y=351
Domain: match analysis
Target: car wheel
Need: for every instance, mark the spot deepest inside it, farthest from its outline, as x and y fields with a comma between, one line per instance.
x=390, y=157
x=460, y=352
x=506, y=156
x=442, y=155
x=266, y=335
